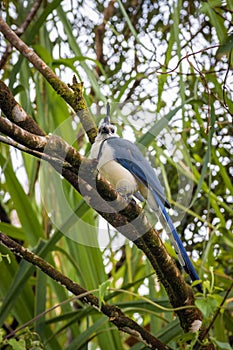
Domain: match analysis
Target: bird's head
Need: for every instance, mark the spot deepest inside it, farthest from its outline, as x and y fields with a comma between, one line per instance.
x=106, y=129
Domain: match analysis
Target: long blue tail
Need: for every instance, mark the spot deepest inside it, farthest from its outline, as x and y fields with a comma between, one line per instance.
x=178, y=245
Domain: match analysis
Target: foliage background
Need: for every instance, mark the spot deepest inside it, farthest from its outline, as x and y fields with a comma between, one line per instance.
x=162, y=61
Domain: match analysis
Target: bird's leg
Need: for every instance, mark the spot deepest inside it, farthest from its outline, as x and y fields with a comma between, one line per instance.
x=123, y=192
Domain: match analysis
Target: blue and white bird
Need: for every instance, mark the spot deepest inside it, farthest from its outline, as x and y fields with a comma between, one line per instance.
x=129, y=172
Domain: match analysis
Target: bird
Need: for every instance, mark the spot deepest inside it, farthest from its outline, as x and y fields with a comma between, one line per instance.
x=121, y=163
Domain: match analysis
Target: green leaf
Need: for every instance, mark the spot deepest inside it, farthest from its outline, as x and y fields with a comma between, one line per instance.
x=147, y=138
x=87, y=335
x=226, y=47
x=12, y=231
x=207, y=158
x=102, y=291
x=129, y=23
x=2, y=333
x=27, y=215
x=17, y=345
x=207, y=305
x=221, y=345
x=169, y=331
x=43, y=53
x=20, y=304
x=217, y=21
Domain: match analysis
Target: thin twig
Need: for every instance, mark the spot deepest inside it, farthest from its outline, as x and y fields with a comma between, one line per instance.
x=185, y=57
x=38, y=316
x=225, y=80
x=37, y=154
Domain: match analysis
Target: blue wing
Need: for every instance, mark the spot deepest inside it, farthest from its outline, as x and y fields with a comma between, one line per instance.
x=130, y=157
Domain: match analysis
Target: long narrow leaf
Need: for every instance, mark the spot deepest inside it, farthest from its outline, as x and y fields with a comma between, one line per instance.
x=27, y=215
x=150, y=136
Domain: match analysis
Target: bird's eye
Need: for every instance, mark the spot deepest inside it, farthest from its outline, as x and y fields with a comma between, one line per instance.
x=105, y=130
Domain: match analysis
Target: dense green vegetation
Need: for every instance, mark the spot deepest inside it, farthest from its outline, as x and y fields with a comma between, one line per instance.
x=166, y=69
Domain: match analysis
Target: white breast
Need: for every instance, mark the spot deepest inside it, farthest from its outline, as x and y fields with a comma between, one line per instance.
x=119, y=177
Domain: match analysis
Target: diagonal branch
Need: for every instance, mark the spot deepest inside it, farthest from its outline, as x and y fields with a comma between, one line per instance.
x=72, y=98
x=128, y=218
x=115, y=315
x=14, y=112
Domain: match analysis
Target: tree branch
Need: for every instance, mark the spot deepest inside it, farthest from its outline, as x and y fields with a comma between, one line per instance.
x=128, y=218
x=16, y=113
x=99, y=34
x=115, y=315
x=74, y=99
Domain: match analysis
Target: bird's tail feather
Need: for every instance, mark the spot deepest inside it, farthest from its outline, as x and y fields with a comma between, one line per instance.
x=177, y=243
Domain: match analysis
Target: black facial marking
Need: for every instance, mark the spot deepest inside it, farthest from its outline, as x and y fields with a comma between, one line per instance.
x=106, y=130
